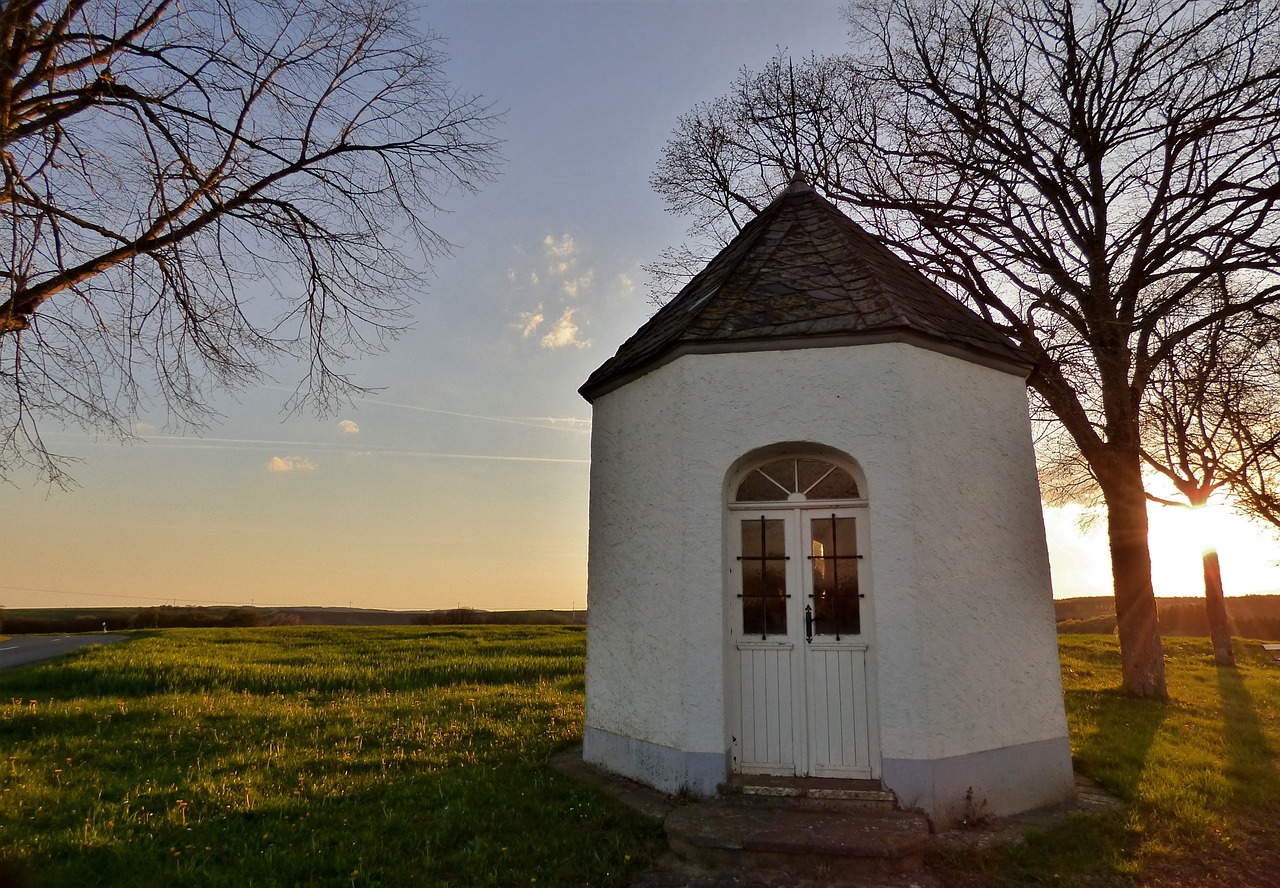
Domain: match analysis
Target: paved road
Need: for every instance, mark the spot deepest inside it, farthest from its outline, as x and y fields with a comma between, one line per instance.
x=20, y=650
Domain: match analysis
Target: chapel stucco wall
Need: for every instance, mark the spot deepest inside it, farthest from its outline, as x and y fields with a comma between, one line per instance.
x=964, y=657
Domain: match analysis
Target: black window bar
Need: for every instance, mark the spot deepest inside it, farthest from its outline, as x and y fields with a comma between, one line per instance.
x=834, y=558
x=763, y=558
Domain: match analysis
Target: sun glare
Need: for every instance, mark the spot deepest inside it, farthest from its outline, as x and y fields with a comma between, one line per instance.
x=1179, y=537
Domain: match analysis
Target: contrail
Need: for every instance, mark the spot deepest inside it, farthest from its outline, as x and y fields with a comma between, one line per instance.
x=564, y=424
x=301, y=446
x=242, y=443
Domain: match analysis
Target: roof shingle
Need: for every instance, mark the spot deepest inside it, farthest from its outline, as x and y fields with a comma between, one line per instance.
x=799, y=275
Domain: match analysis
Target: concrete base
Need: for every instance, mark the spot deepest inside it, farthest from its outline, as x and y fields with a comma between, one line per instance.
x=836, y=842
x=662, y=767
x=980, y=785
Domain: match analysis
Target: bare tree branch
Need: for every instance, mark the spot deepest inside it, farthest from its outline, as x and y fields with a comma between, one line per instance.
x=1077, y=173
x=191, y=191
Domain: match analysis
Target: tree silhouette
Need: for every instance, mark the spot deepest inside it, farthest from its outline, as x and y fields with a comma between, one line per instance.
x=1075, y=173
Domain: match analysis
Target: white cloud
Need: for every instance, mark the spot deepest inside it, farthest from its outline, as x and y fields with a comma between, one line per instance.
x=564, y=247
x=349, y=426
x=565, y=333
x=626, y=285
x=290, y=464
x=533, y=278
x=528, y=322
x=561, y=252
x=571, y=287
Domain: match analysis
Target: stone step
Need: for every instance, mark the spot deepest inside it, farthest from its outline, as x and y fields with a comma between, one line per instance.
x=753, y=834
x=818, y=790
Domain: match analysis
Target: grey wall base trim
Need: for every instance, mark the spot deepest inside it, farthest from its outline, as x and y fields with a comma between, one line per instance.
x=662, y=767
x=1004, y=781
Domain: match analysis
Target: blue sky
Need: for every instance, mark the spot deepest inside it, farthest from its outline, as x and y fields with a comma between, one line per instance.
x=464, y=478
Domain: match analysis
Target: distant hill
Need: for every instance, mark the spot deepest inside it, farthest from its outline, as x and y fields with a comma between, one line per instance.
x=1251, y=616
x=17, y=621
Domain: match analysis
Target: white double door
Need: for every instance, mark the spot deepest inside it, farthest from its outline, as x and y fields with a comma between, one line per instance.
x=800, y=639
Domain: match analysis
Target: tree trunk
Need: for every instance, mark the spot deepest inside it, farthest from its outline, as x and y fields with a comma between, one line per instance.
x=1140, y=649
x=1216, y=605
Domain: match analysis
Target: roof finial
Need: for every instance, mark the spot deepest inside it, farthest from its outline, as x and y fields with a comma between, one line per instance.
x=799, y=183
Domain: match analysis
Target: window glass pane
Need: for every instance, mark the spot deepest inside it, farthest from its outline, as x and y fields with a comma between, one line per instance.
x=764, y=576
x=823, y=540
x=811, y=471
x=846, y=538
x=840, y=617
x=784, y=472
x=776, y=616
x=775, y=578
x=837, y=485
x=753, y=621
x=775, y=540
x=756, y=488
x=836, y=608
x=752, y=578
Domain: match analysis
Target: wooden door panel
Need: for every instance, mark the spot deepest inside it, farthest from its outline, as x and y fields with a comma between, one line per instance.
x=766, y=731
x=837, y=710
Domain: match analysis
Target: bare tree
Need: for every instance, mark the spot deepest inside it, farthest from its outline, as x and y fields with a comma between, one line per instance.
x=1211, y=422
x=1074, y=171
x=195, y=189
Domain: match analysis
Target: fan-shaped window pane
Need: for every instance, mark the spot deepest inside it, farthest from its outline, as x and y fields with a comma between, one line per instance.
x=757, y=488
x=838, y=484
x=783, y=473
x=811, y=479
x=810, y=471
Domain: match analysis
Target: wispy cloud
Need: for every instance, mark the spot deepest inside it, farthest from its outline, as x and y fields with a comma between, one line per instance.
x=290, y=464
x=562, y=253
x=573, y=287
x=349, y=427
x=528, y=322
x=565, y=333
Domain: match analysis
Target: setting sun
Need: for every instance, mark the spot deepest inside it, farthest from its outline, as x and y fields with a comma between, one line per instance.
x=1249, y=551
x=1180, y=536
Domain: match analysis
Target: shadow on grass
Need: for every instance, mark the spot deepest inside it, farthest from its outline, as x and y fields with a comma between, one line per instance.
x=1112, y=743
x=1124, y=728
x=1250, y=760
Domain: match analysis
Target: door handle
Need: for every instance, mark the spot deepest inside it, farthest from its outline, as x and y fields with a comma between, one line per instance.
x=808, y=623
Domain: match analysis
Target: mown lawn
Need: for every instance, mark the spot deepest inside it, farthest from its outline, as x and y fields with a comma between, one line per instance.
x=417, y=756
x=307, y=756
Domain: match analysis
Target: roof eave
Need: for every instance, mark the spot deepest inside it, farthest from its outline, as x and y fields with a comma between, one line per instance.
x=1020, y=366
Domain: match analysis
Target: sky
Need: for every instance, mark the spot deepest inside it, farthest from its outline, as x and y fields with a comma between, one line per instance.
x=462, y=479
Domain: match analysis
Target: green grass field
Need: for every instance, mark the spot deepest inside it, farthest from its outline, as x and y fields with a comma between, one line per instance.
x=417, y=756
x=256, y=757
x=1199, y=774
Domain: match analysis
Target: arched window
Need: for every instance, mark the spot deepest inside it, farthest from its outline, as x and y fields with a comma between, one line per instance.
x=794, y=479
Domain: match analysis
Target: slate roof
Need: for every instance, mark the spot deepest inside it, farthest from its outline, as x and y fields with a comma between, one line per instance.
x=801, y=275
